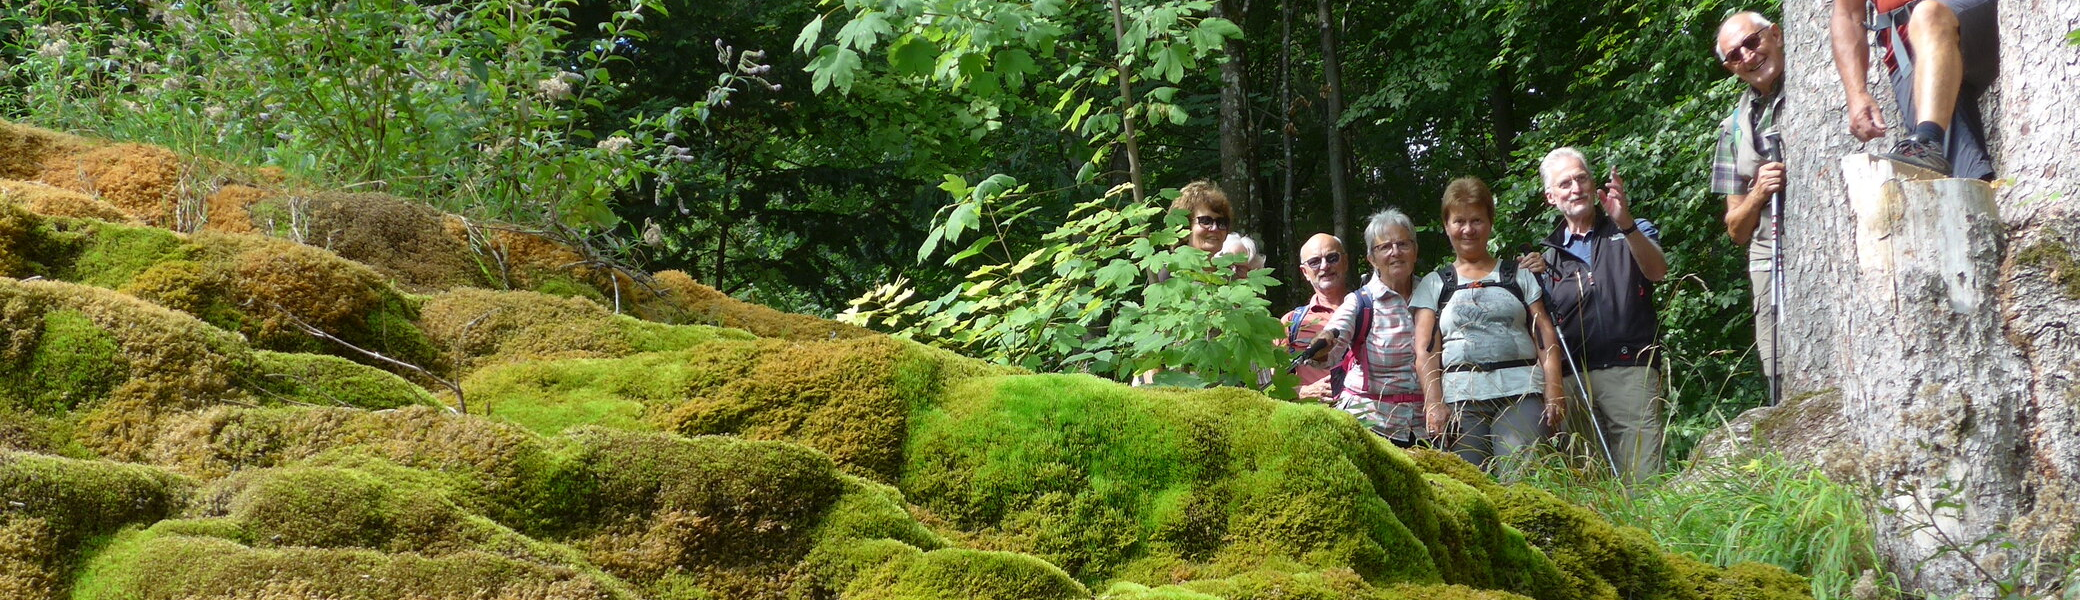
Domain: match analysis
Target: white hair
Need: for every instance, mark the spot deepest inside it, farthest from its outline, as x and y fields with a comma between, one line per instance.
x=1376, y=227
x=1546, y=167
x=1243, y=245
x=1752, y=17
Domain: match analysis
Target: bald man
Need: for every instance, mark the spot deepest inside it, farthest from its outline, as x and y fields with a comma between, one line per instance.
x=1325, y=266
x=1744, y=168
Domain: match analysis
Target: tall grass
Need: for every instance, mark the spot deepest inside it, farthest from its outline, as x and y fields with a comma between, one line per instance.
x=1767, y=510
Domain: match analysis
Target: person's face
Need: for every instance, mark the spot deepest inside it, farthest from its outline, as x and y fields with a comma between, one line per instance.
x=1754, y=53
x=1209, y=229
x=1468, y=229
x=1572, y=190
x=1393, y=255
x=1324, y=266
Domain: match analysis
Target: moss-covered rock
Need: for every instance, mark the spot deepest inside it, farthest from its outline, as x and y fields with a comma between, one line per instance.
x=483, y=327
x=51, y=506
x=322, y=380
x=689, y=300
x=157, y=564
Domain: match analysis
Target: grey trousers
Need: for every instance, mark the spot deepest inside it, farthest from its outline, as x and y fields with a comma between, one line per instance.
x=1497, y=427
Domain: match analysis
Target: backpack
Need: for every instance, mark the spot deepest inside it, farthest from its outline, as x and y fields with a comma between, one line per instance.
x=1506, y=271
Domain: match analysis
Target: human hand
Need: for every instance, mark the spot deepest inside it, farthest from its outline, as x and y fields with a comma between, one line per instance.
x=1866, y=119
x=1533, y=262
x=1437, y=418
x=1769, y=179
x=1556, y=411
x=1612, y=196
x=1318, y=390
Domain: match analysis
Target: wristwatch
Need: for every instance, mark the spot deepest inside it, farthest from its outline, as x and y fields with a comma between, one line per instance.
x=1629, y=229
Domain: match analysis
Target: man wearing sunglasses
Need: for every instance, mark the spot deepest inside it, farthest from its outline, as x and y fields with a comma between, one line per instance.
x=1745, y=168
x=1942, y=54
x=1324, y=266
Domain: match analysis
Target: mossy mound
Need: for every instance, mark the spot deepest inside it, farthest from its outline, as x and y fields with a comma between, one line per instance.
x=50, y=507
x=45, y=199
x=850, y=399
x=403, y=240
x=485, y=327
x=689, y=300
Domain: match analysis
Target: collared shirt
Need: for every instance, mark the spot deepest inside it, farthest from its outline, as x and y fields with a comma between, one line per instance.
x=1579, y=244
x=1390, y=348
x=1313, y=317
x=1739, y=154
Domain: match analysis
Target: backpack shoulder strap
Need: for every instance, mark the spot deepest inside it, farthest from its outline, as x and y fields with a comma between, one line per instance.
x=1293, y=329
x=1449, y=277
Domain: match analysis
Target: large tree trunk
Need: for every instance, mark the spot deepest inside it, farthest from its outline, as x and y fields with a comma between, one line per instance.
x=1332, y=78
x=1286, y=270
x=1930, y=346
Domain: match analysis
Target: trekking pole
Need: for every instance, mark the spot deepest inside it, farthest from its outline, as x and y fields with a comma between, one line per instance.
x=1579, y=386
x=1773, y=150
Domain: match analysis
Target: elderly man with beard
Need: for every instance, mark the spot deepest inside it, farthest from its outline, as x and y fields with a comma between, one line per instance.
x=1323, y=265
x=1598, y=271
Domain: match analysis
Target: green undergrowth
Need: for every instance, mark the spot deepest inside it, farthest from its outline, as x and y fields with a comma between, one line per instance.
x=1759, y=509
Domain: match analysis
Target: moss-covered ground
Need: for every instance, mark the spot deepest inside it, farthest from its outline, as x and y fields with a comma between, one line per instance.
x=224, y=412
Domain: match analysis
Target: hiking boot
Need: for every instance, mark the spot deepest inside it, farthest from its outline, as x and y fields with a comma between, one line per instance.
x=1920, y=152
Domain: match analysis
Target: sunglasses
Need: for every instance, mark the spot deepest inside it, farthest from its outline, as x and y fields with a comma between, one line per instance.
x=1323, y=260
x=1749, y=45
x=1211, y=222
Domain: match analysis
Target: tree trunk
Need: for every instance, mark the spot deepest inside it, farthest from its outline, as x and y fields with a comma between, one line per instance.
x=1126, y=99
x=1286, y=132
x=1332, y=78
x=1932, y=328
x=1236, y=171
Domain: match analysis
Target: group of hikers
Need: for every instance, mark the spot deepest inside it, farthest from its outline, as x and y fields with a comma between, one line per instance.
x=1488, y=355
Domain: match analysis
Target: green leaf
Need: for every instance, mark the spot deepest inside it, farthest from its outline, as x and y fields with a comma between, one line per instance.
x=993, y=186
x=981, y=244
x=931, y=243
x=863, y=30
x=807, y=39
x=1013, y=65
x=912, y=55
x=963, y=218
x=1215, y=30
x=833, y=66
x=1076, y=117
x=955, y=185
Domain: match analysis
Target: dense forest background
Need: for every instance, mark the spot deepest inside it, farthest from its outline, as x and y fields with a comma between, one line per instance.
x=800, y=154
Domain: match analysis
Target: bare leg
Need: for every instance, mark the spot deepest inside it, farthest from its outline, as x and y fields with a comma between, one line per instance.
x=1938, y=65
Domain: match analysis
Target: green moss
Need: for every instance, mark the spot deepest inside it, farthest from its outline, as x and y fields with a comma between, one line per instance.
x=108, y=255
x=51, y=507
x=76, y=362
x=151, y=564
x=481, y=327
x=563, y=285
x=847, y=398
x=959, y=574
x=2057, y=258
x=331, y=381
x=1693, y=580
x=1108, y=481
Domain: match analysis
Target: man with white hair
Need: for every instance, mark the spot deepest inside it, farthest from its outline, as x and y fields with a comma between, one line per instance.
x=1598, y=273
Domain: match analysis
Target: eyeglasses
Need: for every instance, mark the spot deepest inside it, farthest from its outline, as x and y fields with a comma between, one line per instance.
x=1749, y=45
x=1324, y=260
x=1211, y=222
x=1401, y=246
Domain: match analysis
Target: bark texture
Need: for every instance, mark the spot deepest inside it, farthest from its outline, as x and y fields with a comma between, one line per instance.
x=1930, y=350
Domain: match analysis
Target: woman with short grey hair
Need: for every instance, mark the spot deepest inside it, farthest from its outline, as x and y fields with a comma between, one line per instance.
x=1376, y=334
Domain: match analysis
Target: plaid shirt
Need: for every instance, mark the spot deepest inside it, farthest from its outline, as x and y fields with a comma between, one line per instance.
x=1739, y=151
x=1390, y=348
